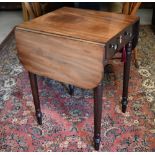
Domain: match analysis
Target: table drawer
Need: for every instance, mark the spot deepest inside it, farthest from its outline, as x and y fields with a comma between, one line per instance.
x=117, y=43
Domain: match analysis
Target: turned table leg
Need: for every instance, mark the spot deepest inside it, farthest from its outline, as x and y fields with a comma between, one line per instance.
x=34, y=88
x=126, y=76
x=98, y=91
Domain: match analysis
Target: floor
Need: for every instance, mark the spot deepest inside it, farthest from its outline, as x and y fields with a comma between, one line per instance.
x=8, y=20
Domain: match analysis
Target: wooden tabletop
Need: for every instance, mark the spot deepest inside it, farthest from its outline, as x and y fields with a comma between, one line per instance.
x=67, y=45
x=87, y=25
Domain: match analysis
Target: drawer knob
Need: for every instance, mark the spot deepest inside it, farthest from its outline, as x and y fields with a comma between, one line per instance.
x=127, y=33
x=114, y=46
x=120, y=39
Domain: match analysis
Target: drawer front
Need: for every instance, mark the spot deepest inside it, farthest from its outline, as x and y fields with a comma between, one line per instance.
x=117, y=43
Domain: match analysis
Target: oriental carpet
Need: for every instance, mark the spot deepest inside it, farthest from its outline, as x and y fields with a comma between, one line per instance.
x=68, y=120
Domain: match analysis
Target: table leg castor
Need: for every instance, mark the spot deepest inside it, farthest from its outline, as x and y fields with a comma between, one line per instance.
x=97, y=140
x=124, y=104
x=39, y=117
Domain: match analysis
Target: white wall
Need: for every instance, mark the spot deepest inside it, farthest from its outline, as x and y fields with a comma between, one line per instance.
x=8, y=19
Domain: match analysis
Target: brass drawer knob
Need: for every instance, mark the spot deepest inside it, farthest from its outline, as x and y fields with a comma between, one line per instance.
x=114, y=46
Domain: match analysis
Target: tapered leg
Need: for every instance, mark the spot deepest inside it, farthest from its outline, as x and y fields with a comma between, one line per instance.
x=98, y=91
x=126, y=76
x=34, y=88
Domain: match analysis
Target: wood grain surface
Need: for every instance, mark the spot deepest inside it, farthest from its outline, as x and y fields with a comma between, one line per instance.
x=66, y=60
x=90, y=25
x=68, y=44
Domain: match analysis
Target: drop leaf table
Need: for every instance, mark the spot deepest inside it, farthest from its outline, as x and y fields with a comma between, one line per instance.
x=73, y=46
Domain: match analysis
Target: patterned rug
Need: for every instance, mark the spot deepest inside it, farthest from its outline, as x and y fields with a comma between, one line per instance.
x=68, y=120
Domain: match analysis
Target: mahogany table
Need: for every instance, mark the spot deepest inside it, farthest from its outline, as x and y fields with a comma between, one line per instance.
x=73, y=46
